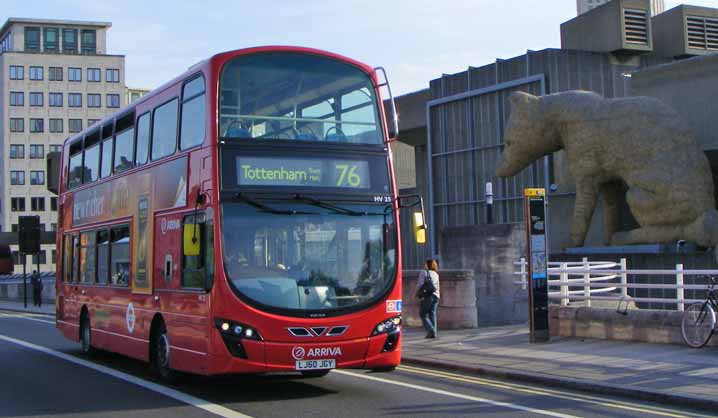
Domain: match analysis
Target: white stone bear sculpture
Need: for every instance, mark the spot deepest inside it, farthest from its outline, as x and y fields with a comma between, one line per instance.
x=639, y=141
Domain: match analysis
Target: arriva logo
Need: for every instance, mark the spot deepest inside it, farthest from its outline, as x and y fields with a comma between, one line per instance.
x=299, y=353
x=323, y=352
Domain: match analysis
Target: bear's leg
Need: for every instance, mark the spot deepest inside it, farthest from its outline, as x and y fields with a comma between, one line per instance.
x=648, y=235
x=586, y=198
x=611, y=193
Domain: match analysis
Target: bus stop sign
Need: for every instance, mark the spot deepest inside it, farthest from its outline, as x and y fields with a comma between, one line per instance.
x=538, y=264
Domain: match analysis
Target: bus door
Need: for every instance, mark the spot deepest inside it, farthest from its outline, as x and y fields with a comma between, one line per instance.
x=183, y=262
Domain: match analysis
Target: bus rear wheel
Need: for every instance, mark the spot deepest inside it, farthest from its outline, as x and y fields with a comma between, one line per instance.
x=86, y=335
x=160, y=354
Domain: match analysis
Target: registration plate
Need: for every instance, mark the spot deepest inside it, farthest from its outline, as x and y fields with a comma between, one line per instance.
x=315, y=364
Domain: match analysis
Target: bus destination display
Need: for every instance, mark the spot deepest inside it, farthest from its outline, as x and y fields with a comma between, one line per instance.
x=314, y=172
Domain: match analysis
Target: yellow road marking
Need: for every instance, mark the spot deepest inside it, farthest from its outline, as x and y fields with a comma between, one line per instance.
x=552, y=393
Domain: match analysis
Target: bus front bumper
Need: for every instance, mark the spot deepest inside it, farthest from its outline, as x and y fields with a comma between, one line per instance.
x=375, y=352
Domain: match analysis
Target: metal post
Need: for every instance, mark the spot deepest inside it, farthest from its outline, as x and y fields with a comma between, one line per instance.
x=24, y=279
x=524, y=279
x=489, y=193
x=679, y=289
x=586, y=282
x=564, y=284
x=624, y=279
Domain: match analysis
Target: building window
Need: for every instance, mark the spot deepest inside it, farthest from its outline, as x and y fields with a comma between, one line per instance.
x=113, y=100
x=112, y=75
x=89, y=41
x=94, y=100
x=54, y=73
x=36, y=99
x=17, y=204
x=69, y=41
x=52, y=43
x=93, y=74
x=53, y=205
x=37, y=125
x=37, y=151
x=42, y=259
x=91, y=122
x=17, y=178
x=54, y=252
x=17, y=125
x=55, y=99
x=74, y=99
x=56, y=126
x=36, y=73
x=17, y=98
x=17, y=72
x=15, y=229
x=5, y=43
x=74, y=125
x=37, y=204
x=55, y=148
x=37, y=178
x=74, y=74
x=32, y=39
x=164, y=130
x=17, y=151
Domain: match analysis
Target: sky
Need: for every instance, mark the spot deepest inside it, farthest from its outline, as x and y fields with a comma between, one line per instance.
x=415, y=40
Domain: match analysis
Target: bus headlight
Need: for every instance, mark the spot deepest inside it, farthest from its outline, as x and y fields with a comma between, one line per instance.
x=233, y=334
x=387, y=326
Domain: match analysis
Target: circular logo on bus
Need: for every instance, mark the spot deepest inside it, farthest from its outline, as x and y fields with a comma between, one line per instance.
x=130, y=318
x=298, y=353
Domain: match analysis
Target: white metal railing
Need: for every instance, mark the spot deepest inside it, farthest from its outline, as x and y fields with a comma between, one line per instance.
x=608, y=281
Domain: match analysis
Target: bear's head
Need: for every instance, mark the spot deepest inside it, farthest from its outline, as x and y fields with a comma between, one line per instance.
x=523, y=137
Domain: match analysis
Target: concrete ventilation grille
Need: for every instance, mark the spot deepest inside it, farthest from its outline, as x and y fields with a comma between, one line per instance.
x=702, y=33
x=636, y=24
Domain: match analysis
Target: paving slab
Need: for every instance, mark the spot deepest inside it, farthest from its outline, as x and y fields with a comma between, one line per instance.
x=661, y=372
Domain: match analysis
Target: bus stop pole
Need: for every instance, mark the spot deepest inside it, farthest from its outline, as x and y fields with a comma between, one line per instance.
x=24, y=279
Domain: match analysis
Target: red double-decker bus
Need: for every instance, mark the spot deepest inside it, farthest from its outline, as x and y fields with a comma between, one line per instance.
x=242, y=218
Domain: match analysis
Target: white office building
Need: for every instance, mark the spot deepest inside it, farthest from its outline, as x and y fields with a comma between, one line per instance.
x=56, y=79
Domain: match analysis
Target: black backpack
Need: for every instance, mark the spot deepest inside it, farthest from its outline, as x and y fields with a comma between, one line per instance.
x=427, y=288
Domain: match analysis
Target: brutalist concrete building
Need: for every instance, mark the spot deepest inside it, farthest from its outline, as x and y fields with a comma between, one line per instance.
x=456, y=126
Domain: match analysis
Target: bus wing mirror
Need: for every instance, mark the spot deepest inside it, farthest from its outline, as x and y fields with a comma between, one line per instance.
x=191, y=240
x=391, y=116
x=53, y=171
x=419, y=228
x=418, y=217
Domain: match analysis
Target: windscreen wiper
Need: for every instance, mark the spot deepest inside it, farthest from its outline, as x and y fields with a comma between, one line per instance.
x=334, y=208
x=265, y=208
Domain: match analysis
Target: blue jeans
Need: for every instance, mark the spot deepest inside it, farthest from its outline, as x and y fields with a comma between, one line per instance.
x=427, y=312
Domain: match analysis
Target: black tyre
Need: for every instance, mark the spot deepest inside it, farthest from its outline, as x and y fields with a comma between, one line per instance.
x=697, y=324
x=315, y=373
x=160, y=354
x=86, y=335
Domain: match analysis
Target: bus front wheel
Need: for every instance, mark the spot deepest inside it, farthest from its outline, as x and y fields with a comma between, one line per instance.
x=160, y=354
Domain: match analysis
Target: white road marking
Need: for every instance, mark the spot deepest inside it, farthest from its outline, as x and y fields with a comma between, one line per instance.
x=171, y=393
x=456, y=395
x=23, y=316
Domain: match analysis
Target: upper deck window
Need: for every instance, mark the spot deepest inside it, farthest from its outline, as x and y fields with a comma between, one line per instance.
x=295, y=96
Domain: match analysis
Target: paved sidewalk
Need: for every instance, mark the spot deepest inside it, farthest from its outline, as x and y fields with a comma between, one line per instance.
x=660, y=372
x=47, y=308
